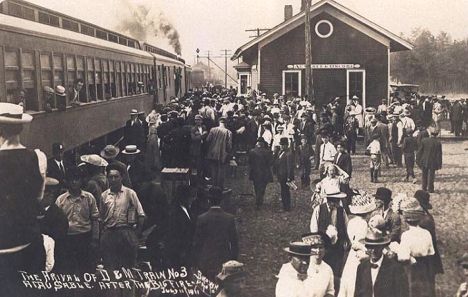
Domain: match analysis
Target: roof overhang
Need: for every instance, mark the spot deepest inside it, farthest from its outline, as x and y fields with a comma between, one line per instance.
x=395, y=43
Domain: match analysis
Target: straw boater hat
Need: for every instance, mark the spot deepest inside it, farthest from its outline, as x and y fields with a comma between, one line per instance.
x=134, y=112
x=362, y=203
x=299, y=248
x=231, y=269
x=316, y=239
x=412, y=210
x=50, y=182
x=94, y=160
x=13, y=114
x=60, y=91
x=110, y=152
x=131, y=150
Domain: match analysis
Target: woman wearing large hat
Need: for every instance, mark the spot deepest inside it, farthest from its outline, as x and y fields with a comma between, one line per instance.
x=416, y=250
x=362, y=207
x=22, y=176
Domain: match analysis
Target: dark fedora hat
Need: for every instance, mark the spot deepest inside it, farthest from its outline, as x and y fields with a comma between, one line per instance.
x=284, y=141
x=384, y=194
x=299, y=248
x=423, y=198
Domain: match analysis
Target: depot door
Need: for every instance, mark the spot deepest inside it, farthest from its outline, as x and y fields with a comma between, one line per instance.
x=356, y=85
x=292, y=81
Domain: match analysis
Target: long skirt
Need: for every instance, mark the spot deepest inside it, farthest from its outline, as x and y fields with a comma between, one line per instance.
x=421, y=277
x=348, y=278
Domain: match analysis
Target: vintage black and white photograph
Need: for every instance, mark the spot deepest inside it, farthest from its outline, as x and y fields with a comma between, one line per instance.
x=243, y=148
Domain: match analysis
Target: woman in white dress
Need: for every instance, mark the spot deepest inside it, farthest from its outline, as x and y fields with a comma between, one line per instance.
x=362, y=207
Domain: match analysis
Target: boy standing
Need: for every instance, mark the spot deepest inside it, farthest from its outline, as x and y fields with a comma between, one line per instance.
x=375, y=153
x=409, y=147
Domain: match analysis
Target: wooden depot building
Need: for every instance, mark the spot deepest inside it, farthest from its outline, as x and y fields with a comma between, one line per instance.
x=350, y=56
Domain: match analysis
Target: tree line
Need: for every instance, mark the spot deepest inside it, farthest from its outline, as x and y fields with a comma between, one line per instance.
x=438, y=64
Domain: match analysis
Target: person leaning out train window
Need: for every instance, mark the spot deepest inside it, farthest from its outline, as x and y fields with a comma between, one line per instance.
x=74, y=93
x=49, y=102
x=61, y=98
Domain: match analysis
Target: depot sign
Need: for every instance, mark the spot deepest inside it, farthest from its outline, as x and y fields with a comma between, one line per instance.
x=325, y=66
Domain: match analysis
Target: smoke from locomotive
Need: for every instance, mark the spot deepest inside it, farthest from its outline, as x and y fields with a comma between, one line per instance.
x=145, y=22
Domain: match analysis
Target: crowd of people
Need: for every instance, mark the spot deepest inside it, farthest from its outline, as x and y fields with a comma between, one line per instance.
x=100, y=208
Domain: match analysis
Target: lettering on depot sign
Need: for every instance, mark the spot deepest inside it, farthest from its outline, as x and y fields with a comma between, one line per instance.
x=170, y=281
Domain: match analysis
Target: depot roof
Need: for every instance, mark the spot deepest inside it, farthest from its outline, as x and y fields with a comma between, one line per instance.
x=344, y=14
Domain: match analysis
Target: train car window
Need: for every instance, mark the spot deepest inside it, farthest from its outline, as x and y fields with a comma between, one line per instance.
x=46, y=75
x=87, y=30
x=113, y=38
x=21, y=11
x=112, y=80
x=48, y=19
x=70, y=25
x=158, y=74
x=91, y=79
x=99, y=81
x=101, y=34
x=12, y=75
x=118, y=79
x=124, y=79
x=131, y=43
x=29, y=81
x=105, y=79
x=80, y=73
x=123, y=41
x=58, y=70
x=71, y=71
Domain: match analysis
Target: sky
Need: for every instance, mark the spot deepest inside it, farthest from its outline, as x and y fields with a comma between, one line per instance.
x=216, y=25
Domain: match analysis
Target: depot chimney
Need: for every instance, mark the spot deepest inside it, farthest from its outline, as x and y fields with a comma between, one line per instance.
x=288, y=12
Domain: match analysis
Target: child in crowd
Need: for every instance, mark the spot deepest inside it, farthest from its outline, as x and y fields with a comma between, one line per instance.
x=373, y=149
x=408, y=148
x=306, y=154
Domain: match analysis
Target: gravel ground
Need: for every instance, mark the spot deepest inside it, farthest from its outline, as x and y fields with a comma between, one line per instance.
x=264, y=233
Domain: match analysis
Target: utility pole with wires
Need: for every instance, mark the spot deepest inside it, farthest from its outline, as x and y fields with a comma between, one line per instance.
x=209, y=68
x=309, y=81
x=226, y=52
x=257, y=31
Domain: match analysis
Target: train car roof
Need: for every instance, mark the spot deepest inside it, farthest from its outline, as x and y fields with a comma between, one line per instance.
x=16, y=24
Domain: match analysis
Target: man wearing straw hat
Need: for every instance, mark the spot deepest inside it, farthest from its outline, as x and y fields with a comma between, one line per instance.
x=110, y=153
x=22, y=176
x=292, y=278
x=379, y=276
x=331, y=219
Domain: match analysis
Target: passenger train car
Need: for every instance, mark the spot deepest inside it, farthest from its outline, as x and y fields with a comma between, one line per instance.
x=41, y=48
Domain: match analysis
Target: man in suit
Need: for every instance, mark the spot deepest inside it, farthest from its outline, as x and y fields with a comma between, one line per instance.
x=134, y=131
x=392, y=219
x=219, y=142
x=380, y=276
x=57, y=167
x=135, y=168
x=429, y=159
x=181, y=228
x=215, y=240
x=284, y=166
x=260, y=161
x=343, y=159
x=426, y=112
x=307, y=127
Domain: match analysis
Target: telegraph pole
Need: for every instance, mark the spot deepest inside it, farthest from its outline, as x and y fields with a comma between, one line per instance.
x=309, y=87
x=225, y=66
